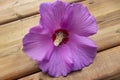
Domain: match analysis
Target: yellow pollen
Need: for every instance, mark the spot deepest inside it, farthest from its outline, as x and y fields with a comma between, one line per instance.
x=59, y=38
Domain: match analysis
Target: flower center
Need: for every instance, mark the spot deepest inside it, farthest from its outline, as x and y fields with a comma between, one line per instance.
x=60, y=36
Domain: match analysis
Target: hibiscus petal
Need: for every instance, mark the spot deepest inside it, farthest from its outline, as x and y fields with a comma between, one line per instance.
x=60, y=63
x=39, y=30
x=37, y=45
x=78, y=20
x=83, y=51
x=52, y=14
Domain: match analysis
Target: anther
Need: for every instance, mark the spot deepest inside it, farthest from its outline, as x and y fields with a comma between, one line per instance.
x=59, y=38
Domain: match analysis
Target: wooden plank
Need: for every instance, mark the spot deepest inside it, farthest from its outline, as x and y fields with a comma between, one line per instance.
x=106, y=64
x=18, y=9
x=14, y=63
x=108, y=30
x=12, y=33
x=104, y=9
x=11, y=10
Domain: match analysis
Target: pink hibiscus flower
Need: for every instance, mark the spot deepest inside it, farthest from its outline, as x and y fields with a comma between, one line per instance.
x=60, y=43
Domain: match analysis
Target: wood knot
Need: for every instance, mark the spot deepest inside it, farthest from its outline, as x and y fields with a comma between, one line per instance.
x=91, y=1
x=118, y=31
x=40, y=79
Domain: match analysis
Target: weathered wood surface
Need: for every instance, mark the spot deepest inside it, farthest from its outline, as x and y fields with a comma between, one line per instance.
x=108, y=35
x=11, y=10
x=15, y=64
x=16, y=9
x=104, y=9
x=106, y=65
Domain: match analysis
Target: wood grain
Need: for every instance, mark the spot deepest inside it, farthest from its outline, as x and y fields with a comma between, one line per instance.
x=108, y=35
x=11, y=10
x=14, y=63
x=17, y=9
x=106, y=64
x=104, y=9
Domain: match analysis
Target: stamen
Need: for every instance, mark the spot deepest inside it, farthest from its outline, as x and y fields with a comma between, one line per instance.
x=59, y=38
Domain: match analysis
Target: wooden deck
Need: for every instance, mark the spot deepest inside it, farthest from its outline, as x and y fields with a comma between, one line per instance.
x=18, y=16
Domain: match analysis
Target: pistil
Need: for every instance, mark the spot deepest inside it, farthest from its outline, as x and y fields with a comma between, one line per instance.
x=59, y=38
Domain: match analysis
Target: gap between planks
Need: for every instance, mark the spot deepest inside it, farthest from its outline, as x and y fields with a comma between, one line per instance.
x=11, y=53
x=18, y=28
x=18, y=9
x=105, y=65
x=12, y=10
